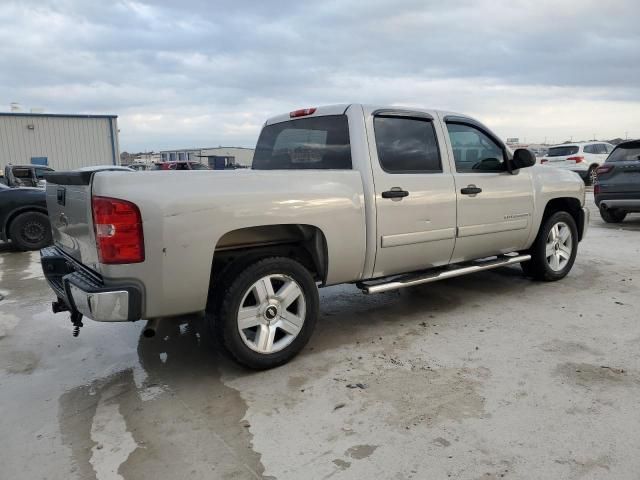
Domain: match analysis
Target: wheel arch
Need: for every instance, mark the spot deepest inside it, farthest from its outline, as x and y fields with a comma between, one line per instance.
x=305, y=243
x=567, y=204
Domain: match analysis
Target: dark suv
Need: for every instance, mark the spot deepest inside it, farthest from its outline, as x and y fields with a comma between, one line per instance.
x=617, y=190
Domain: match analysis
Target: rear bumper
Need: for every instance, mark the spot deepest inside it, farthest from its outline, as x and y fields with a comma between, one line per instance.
x=629, y=204
x=84, y=291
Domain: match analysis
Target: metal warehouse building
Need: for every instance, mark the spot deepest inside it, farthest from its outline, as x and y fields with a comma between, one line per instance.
x=214, y=157
x=62, y=142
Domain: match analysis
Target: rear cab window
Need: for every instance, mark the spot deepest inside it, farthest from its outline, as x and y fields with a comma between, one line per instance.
x=306, y=143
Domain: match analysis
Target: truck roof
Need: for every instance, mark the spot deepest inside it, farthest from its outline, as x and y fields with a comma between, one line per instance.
x=341, y=108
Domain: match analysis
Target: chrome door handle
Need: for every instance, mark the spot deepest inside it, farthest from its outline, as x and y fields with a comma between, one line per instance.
x=395, y=194
x=470, y=190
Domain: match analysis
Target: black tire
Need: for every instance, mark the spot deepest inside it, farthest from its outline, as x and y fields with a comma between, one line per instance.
x=233, y=290
x=30, y=231
x=591, y=175
x=539, y=267
x=612, y=215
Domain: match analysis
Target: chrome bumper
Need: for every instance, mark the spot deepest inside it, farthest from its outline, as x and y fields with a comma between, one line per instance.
x=111, y=306
x=82, y=290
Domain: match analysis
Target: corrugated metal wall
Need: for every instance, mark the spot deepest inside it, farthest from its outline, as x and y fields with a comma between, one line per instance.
x=67, y=142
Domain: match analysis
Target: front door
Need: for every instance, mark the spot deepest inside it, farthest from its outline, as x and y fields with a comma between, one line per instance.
x=414, y=192
x=494, y=206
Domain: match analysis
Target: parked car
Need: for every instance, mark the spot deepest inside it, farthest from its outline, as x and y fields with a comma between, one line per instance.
x=582, y=158
x=25, y=175
x=139, y=167
x=179, y=166
x=617, y=189
x=23, y=217
x=382, y=197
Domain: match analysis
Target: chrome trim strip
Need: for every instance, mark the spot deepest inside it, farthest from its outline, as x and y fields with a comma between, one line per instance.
x=417, y=237
x=506, y=226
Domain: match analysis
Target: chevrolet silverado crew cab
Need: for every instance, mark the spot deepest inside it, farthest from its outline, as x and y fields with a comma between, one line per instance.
x=380, y=197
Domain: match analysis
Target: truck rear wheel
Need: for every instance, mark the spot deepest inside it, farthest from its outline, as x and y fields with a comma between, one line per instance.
x=554, y=249
x=267, y=312
x=30, y=231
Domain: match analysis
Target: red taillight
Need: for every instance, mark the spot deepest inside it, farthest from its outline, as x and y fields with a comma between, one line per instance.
x=604, y=169
x=544, y=160
x=303, y=112
x=118, y=228
x=576, y=159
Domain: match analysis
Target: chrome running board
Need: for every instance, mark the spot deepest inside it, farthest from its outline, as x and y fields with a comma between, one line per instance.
x=433, y=276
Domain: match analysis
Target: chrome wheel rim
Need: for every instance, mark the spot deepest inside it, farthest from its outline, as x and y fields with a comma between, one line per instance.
x=593, y=175
x=559, y=246
x=271, y=313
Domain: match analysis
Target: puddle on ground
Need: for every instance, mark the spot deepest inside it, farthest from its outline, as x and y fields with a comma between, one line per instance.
x=174, y=420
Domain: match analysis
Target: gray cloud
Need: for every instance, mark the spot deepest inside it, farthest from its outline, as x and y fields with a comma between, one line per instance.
x=199, y=72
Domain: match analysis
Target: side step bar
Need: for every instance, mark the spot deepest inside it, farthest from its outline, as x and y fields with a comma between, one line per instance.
x=418, y=279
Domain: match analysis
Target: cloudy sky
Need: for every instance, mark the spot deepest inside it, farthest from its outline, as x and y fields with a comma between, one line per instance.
x=187, y=73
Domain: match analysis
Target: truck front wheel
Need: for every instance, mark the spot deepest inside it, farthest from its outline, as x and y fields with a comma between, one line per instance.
x=267, y=312
x=554, y=249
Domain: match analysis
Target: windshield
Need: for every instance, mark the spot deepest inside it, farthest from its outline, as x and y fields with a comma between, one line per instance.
x=307, y=143
x=629, y=153
x=562, y=151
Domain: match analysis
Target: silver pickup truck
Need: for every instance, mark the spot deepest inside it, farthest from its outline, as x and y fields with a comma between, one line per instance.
x=382, y=197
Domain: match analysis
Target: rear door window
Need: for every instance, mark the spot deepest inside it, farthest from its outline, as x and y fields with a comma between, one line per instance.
x=306, y=143
x=407, y=145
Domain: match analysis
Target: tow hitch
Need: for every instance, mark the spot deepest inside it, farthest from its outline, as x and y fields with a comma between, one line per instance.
x=76, y=319
x=75, y=316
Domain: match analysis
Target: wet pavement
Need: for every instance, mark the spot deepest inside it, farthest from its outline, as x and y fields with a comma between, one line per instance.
x=486, y=376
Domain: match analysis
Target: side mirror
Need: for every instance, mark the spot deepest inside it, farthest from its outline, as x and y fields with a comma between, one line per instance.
x=522, y=158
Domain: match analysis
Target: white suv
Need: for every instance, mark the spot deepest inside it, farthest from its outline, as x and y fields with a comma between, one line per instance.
x=582, y=158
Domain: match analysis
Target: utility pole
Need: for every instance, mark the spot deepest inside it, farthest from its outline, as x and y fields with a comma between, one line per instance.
x=626, y=135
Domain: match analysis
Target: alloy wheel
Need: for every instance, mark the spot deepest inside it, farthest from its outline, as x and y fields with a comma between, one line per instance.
x=271, y=313
x=559, y=246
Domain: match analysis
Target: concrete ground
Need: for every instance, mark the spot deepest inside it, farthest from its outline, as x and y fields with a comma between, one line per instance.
x=482, y=377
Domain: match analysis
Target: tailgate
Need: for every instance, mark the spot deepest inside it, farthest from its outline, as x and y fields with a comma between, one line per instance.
x=69, y=207
x=626, y=177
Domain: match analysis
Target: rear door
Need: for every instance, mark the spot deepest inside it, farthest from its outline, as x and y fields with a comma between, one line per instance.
x=601, y=153
x=494, y=207
x=414, y=191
